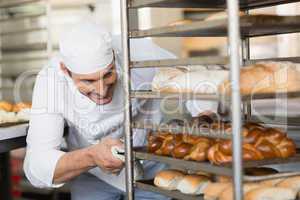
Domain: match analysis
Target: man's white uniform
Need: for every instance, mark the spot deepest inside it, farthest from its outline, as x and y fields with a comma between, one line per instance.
x=57, y=102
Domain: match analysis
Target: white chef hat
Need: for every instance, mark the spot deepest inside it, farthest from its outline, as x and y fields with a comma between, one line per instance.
x=86, y=48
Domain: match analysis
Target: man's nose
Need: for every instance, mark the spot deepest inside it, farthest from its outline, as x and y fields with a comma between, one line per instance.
x=101, y=88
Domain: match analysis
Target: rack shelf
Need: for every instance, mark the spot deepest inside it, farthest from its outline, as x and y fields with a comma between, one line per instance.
x=213, y=97
x=250, y=26
x=244, y=4
x=161, y=95
x=181, y=129
x=26, y=47
x=211, y=60
x=225, y=169
x=12, y=3
x=148, y=186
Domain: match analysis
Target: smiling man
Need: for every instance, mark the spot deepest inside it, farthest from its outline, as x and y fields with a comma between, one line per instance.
x=81, y=88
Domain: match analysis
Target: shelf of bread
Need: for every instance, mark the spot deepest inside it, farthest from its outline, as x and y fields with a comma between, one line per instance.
x=250, y=26
x=261, y=146
x=213, y=97
x=14, y=114
x=263, y=80
x=209, y=60
x=171, y=95
x=224, y=169
x=244, y=4
x=200, y=185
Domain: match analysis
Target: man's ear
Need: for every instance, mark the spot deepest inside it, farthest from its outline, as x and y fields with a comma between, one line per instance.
x=64, y=69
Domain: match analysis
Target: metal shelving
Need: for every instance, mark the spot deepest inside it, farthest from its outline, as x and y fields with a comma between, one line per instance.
x=244, y=4
x=250, y=26
x=239, y=29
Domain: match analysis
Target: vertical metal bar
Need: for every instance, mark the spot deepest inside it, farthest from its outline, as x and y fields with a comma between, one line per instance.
x=126, y=84
x=5, y=177
x=234, y=52
x=246, y=57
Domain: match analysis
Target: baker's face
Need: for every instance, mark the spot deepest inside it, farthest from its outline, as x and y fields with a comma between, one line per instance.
x=98, y=86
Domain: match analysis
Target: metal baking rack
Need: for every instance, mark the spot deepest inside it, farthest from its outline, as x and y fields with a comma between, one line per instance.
x=244, y=4
x=238, y=29
x=251, y=26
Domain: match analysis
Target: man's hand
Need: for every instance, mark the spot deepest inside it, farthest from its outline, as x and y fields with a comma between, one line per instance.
x=102, y=155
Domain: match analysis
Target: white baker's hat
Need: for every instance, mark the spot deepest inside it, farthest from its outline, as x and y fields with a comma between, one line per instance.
x=86, y=48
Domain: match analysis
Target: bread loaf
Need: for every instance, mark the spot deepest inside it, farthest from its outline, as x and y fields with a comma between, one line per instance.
x=213, y=190
x=259, y=143
x=271, y=193
x=192, y=184
x=227, y=194
x=291, y=182
x=184, y=80
x=168, y=179
x=266, y=77
x=20, y=106
x=6, y=106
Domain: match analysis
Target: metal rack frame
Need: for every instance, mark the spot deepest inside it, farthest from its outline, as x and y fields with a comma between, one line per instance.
x=236, y=59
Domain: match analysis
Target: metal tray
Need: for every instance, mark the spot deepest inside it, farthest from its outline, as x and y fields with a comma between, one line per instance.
x=11, y=124
x=162, y=95
x=244, y=4
x=250, y=26
x=211, y=60
x=142, y=94
x=149, y=186
x=225, y=169
x=181, y=129
x=12, y=3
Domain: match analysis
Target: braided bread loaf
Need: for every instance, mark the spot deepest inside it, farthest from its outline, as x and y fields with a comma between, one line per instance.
x=259, y=143
x=181, y=146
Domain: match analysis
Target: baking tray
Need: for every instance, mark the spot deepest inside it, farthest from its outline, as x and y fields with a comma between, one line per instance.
x=165, y=95
x=149, y=186
x=11, y=124
x=205, y=132
x=244, y=4
x=12, y=3
x=250, y=26
x=143, y=94
x=225, y=169
x=210, y=60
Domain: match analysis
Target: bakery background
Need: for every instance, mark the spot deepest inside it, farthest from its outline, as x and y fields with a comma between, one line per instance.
x=29, y=36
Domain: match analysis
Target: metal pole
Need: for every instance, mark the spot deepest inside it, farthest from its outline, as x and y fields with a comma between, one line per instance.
x=126, y=84
x=234, y=51
x=246, y=57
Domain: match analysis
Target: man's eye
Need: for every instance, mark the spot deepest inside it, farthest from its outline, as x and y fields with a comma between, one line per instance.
x=109, y=74
x=86, y=81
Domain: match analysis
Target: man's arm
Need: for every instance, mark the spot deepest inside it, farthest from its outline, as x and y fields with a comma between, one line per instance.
x=74, y=163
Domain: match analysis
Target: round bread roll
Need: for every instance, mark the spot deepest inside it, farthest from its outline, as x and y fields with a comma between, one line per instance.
x=291, y=182
x=213, y=190
x=168, y=179
x=192, y=184
x=271, y=193
x=6, y=106
x=20, y=106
